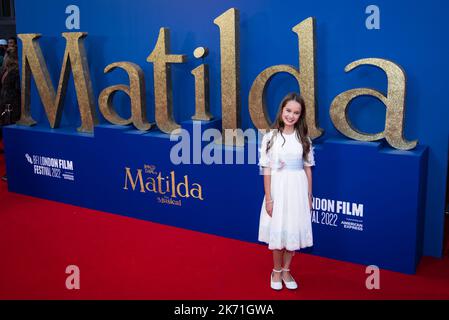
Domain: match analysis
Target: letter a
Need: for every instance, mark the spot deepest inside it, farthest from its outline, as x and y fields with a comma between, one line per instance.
x=373, y=281
x=73, y=20
x=72, y=281
x=372, y=21
x=394, y=101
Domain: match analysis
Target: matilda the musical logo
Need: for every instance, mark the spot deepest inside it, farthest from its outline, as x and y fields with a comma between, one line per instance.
x=168, y=187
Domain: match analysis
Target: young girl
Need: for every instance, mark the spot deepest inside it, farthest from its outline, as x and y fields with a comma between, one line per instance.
x=286, y=157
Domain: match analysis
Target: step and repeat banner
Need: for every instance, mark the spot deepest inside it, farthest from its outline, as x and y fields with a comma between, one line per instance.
x=155, y=110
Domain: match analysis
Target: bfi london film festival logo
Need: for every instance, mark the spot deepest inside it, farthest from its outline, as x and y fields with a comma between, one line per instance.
x=334, y=213
x=51, y=167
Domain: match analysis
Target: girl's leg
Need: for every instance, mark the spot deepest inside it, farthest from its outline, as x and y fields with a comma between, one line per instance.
x=288, y=256
x=277, y=263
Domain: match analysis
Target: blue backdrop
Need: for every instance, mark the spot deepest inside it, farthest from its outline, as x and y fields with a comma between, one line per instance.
x=412, y=33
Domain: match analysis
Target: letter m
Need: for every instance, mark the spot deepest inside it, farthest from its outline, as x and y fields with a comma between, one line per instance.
x=133, y=183
x=357, y=210
x=33, y=63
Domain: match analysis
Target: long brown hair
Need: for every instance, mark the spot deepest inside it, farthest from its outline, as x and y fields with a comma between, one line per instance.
x=301, y=129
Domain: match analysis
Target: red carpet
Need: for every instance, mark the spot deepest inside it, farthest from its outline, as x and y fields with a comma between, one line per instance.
x=124, y=258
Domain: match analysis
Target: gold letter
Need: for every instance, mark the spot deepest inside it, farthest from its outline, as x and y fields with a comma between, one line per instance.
x=228, y=23
x=151, y=185
x=201, y=75
x=33, y=63
x=393, y=101
x=162, y=81
x=305, y=77
x=134, y=183
x=186, y=188
x=136, y=92
x=198, y=190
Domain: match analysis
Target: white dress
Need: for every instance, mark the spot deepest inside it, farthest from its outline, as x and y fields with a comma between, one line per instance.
x=290, y=226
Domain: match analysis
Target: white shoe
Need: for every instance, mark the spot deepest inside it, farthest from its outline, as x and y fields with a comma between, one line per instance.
x=292, y=285
x=276, y=285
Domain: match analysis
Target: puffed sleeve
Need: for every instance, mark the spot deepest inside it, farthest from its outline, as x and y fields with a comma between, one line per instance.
x=310, y=156
x=264, y=156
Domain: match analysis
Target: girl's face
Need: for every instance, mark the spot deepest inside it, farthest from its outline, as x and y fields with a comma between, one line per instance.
x=291, y=113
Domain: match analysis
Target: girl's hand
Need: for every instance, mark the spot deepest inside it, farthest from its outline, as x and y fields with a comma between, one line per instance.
x=269, y=207
x=310, y=201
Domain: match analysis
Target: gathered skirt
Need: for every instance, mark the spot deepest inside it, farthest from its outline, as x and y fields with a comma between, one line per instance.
x=290, y=226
